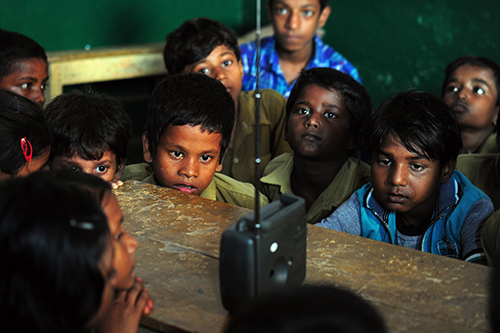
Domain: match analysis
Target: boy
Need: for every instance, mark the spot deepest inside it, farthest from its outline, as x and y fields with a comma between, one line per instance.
x=91, y=134
x=471, y=89
x=293, y=47
x=325, y=113
x=416, y=199
x=23, y=66
x=188, y=128
x=208, y=47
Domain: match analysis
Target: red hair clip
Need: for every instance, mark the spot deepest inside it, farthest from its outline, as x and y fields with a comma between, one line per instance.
x=27, y=149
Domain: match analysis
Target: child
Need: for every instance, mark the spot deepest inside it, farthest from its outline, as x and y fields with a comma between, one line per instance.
x=25, y=136
x=416, y=199
x=293, y=47
x=483, y=170
x=23, y=66
x=91, y=134
x=471, y=89
x=188, y=128
x=124, y=245
x=56, y=258
x=312, y=309
x=325, y=114
x=208, y=47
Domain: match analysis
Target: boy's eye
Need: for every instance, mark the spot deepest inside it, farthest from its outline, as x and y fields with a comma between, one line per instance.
x=117, y=237
x=330, y=115
x=204, y=71
x=281, y=11
x=479, y=91
x=227, y=63
x=308, y=13
x=303, y=111
x=74, y=168
x=44, y=86
x=385, y=162
x=176, y=154
x=205, y=158
x=452, y=89
x=25, y=85
x=101, y=169
x=417, y=167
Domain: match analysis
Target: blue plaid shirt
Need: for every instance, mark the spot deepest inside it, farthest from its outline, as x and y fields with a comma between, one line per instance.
x=271, y=75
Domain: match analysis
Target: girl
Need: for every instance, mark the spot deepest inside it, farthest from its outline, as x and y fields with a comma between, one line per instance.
x=25, y=141
x=56, y=260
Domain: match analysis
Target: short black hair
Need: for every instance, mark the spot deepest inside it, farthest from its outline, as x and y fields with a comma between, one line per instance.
x=88, y=125
x=356, y=99
x=423, y=123
x=311, y=309
x=15, y=47
x=472, y=61
x=194, y=40
x=21, y=118
x=190, y=99
x=322, y=3
x=52, y=238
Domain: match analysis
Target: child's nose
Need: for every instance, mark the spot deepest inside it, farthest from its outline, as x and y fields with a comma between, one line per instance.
x=293, y=20
x=313, y=121
x=132, y=245
x=38, y=96
x=399, y=176
x=219, y=74
x=189, y=168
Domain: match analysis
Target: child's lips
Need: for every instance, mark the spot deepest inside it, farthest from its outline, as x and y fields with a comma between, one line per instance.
x=396, y=197
x=310, y=136
x=184, y=188
x=459, y=108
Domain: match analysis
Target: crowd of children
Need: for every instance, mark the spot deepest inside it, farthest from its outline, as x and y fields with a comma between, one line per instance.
x=431, y=182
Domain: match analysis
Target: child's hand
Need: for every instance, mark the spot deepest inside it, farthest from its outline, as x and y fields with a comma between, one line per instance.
x=115, y=183
x=126, y=311
x=148, y=308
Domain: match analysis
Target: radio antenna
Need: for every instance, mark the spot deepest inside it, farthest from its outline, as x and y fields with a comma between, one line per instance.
x=258, y=96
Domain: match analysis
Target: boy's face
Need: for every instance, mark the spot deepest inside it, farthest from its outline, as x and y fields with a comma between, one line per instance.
x=471, y=94
x=186, y=158
x=295, y=22
x=106, y=168
x=28, y=79
x=124, y=244
x=406, y=183
x=221, y=64
x=319, y=124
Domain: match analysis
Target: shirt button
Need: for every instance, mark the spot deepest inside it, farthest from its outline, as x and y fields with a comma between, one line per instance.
x=235, y=160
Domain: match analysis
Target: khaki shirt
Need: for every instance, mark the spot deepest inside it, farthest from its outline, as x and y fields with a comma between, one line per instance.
x=482, y=171
x=222, y=188
x=490, y=238
x=239, y=162
x=352, y=176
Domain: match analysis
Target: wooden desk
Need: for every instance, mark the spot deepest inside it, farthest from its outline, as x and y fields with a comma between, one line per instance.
x=179, y=238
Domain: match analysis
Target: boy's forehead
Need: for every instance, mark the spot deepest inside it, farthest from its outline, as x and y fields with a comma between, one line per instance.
x=392, y=141
x=297, y=3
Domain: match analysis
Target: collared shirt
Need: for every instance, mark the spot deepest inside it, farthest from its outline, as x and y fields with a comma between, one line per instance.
x=271, y=75
x=222, y=188
x=351, y=176
x=239, y=161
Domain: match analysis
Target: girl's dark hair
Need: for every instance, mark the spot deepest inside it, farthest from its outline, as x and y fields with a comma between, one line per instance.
x=15, y=47
x=20, y=118
x=194, y=40
x=422, y=122
x=52, y=239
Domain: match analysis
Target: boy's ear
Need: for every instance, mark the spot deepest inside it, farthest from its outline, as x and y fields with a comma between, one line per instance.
x=323, y=17
x=218, y=168
x=447, y=171
x=145, y=149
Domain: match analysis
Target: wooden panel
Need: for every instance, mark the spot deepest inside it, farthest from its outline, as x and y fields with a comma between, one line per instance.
x=179, y=238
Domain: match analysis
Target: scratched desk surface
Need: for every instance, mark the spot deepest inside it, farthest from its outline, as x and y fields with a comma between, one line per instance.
x=179, y=239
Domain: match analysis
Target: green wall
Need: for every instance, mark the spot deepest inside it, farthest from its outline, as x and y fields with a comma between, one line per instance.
x=394, y=44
